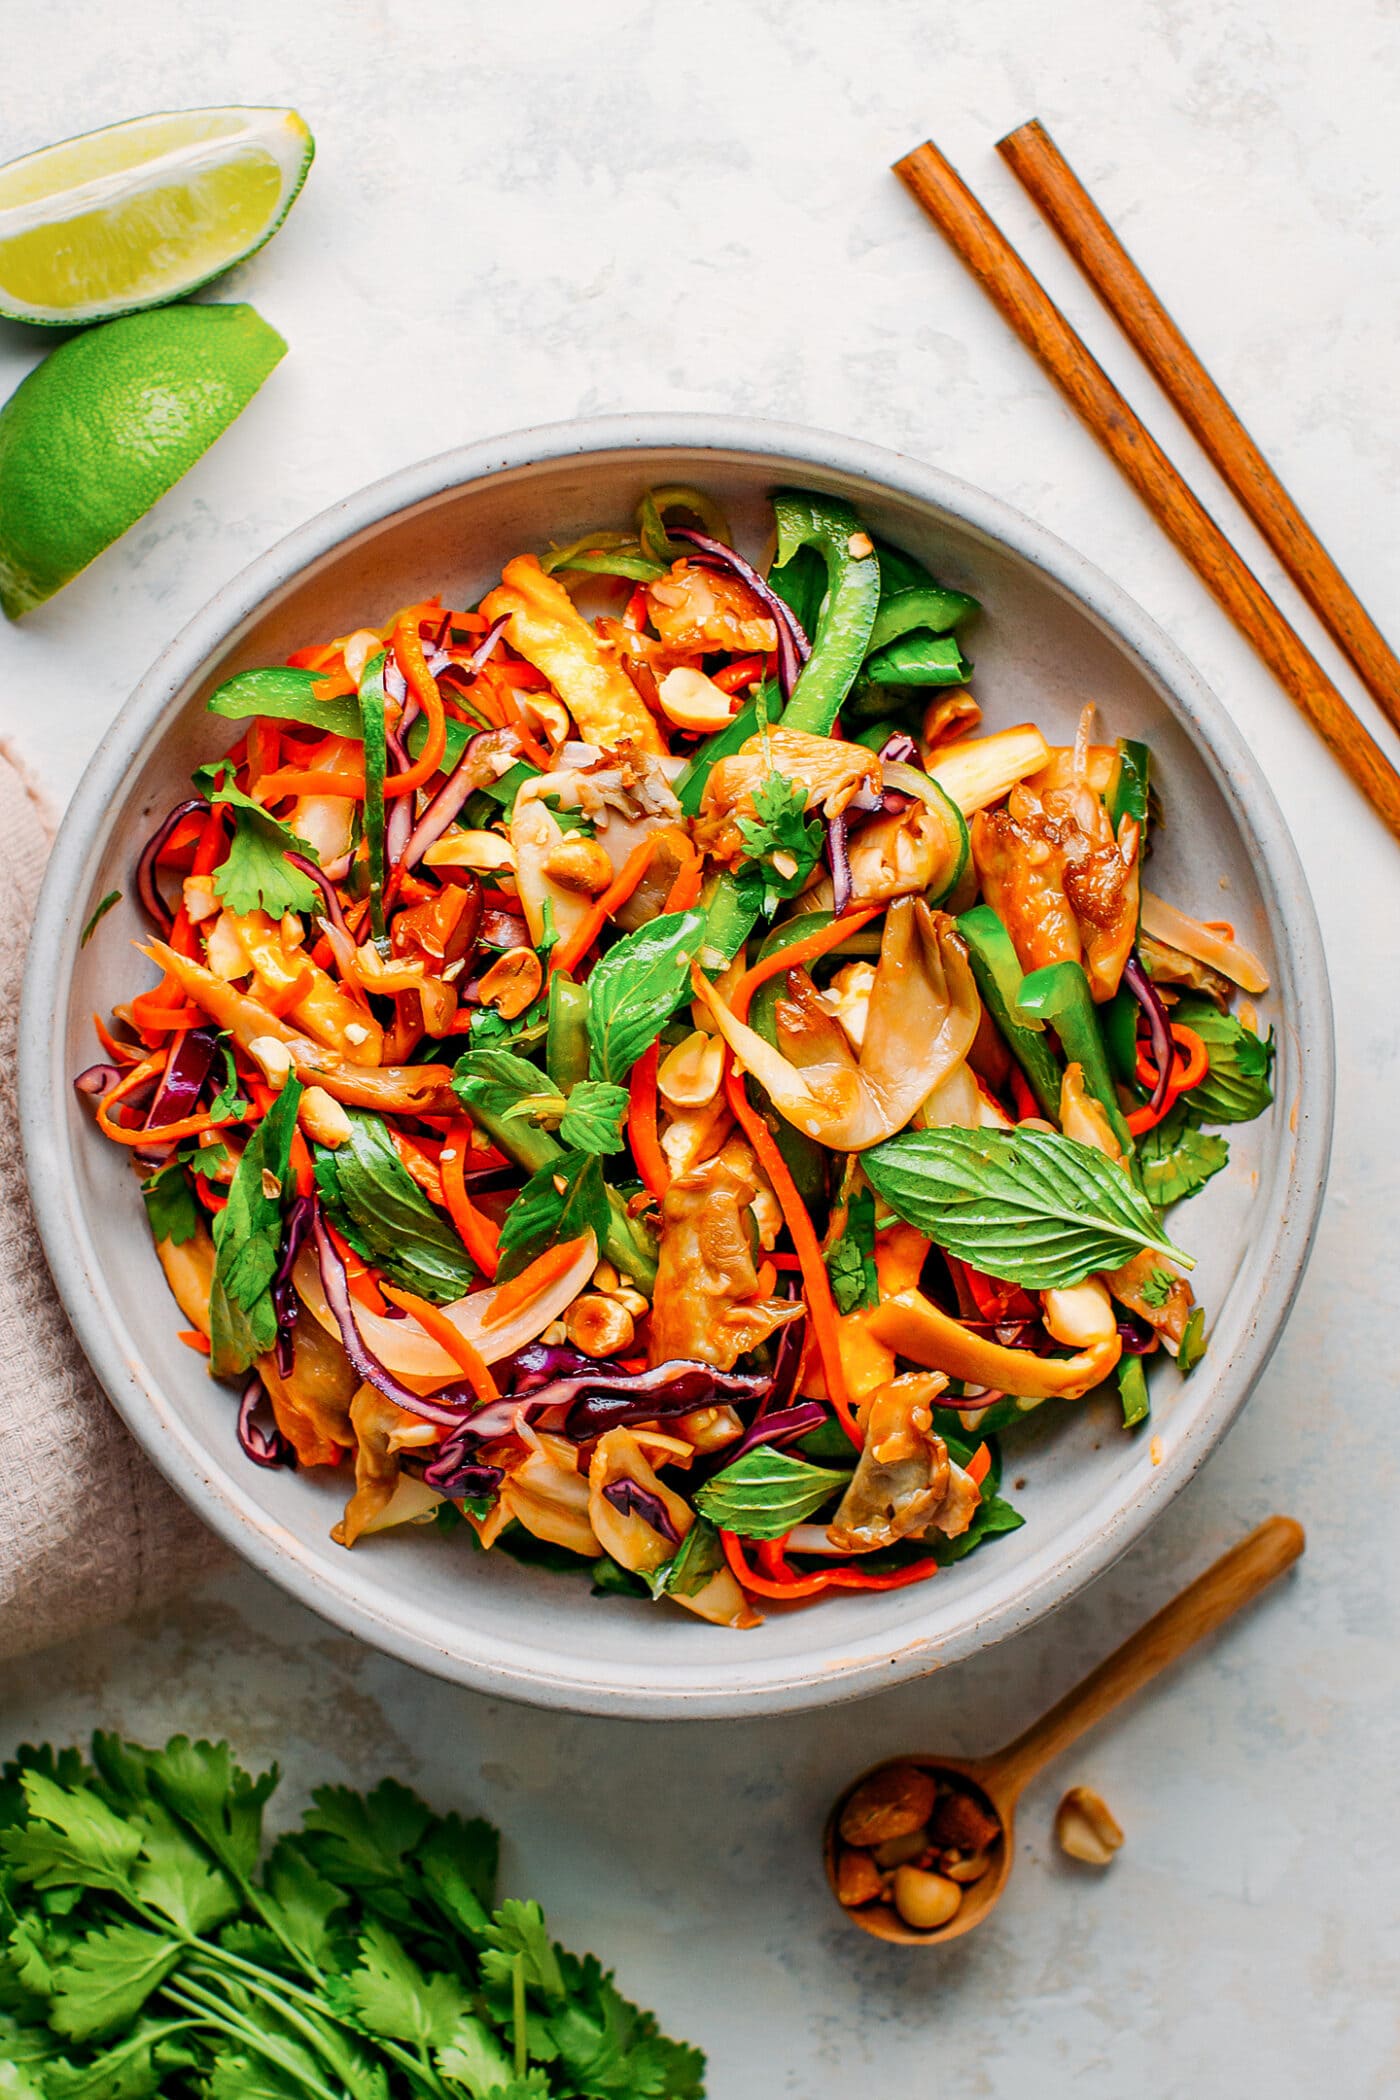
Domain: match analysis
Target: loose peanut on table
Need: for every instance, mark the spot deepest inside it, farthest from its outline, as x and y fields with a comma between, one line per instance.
x=1085, y=1827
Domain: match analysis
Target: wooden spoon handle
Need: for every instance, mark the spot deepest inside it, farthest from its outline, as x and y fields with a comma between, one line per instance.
x=1235, y=1580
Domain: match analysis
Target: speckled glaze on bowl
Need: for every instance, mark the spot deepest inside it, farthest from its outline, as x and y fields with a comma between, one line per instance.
x=1054, y=632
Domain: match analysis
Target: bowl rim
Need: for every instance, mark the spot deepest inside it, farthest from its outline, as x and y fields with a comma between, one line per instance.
x=720, y=1690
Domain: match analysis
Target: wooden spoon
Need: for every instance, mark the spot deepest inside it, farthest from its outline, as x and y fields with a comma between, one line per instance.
x=998, y=1781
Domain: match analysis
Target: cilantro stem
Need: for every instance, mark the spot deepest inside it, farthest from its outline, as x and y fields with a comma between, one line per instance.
x=191, y=1996
x=517, y=2016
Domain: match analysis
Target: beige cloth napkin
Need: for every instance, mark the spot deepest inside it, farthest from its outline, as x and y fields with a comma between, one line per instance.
x=89, y=1532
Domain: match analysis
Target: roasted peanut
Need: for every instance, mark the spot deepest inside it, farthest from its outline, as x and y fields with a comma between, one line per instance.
x=581, y=864
x=689, y=1075
x=889, y=1804
x=967, y=1870
x=925, y=1901
x=962, y=1823
x=1085, y=1828
x=857, y=1878
x=322, y=1117
x=273, y=1059
x=512, y=983
x=900, y=1851
x=599, y=1326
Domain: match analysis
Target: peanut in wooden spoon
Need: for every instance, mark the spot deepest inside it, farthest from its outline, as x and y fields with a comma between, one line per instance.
x=995, y=1783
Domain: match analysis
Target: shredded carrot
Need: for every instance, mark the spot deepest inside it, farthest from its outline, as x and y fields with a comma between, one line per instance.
x=314, y=659
x=336, y=685
x=168, y=1133
x=800, y=952
x=767, y=1281
x=449, y=1338
x=193, y=1339
x=544, y=1271
x=641, y=1124
x=530, y=744
x=568, y=954
x=408, y=649
x=685, y=890
x=478, y=1235
x=979, y=1465
x=300, y=780
x=302, y=1168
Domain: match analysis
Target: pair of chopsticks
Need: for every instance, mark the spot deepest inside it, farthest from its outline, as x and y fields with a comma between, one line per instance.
x=1024, y=303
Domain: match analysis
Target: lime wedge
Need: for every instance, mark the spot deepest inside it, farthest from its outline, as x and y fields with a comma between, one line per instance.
x=106, y=424
x=143, y=212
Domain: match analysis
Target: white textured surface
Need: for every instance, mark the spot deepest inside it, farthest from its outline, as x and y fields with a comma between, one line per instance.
x=526, y=212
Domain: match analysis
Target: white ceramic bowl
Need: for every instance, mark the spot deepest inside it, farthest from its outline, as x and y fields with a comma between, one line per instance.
x=1053, y=634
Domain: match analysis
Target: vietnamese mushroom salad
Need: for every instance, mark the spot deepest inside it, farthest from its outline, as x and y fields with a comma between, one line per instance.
x=639, y=1077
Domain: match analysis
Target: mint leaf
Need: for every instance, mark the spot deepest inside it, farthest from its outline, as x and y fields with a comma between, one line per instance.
x=1237, y=1086
x=699, y=1556
x=171, y=1209
x=494, y=1080
x=593, y=1119
x=382, y=1212
x=635, y=988
x=1175, y=1158
x=764, y=1493
x=567, y=1197
x=247, y=1239
x=256, y=875
x=1028, y=1206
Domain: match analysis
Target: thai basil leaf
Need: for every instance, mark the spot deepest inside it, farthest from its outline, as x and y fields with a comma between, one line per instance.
x=565, y=1198
x=1175, y=1159
x=636, y=987
x=764, y=1493
x=919, y=659
x=1028, y=1206
x=377, y=1205
x=247, y=1239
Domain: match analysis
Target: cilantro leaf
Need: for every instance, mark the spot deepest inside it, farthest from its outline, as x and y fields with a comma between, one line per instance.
x=519, y=1929
x=221, y=1803
x=228, y=1101
x=204, y=1159
x=608, y=2046
x=1176, y=1158
x=362, y=1842
x=72, y=1836
x=567, y=1197
x=171, y=1209
x=247, y=1239
x=458, y=1861
x=377, y=1205
x=108, y=1977
x=635, y=988
x=176, y=1877
x=764, y=1493
x=1237, y=1087
x=592, y=1121
x=301, y=1902
x=255, y=874
x=850, y=1262
x=393, y=1997
x=475, y=2058
x=1156, y=1287
x=782, y=842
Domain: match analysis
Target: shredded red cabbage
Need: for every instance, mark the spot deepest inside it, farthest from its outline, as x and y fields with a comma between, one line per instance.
x=97, y=1080
x=455, y=1473
x=783, y=1426
x=327, y=889
x=793, y=645
x=838, y=861
x=147, y=888
x=1158, y=1027
x=461, y=782
x=629, y=1500
x=182, y=1081
x=900, y=749
x=284, y=1296
x=266, y=1446
x=1136, y=1336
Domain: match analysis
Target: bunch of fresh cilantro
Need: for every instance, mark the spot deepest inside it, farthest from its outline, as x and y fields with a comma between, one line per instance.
x=148, y=1948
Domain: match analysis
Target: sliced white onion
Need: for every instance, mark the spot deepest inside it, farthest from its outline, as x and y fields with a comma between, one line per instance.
x=403, y=1347
x=1165, y=923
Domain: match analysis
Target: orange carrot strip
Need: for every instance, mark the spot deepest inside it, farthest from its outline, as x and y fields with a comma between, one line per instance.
x=568, y=954
x=530, y=745
x=408, y=649
x=120, y=1053
x=478, y=1235
x=641, y=1124
x=685, y=890
x=301, y=1165
x=193, y=1339
x=803, y=951
x=547, y=1269
x=168, y=1133
x=979, y=1465
x=336, y=685
x=448, y=1338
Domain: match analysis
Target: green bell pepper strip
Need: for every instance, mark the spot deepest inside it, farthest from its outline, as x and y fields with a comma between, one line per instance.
x=566, y=1032
x=998, y=973
x=919, y=659
x=852, y=601
x=1127, y=793
x=1060, y=995
x=801, y=584
x=926, y=608
x=372, y=701
x=689, y=786
x=625, y=1242
x=1132, y=1391
x=1118, y=1019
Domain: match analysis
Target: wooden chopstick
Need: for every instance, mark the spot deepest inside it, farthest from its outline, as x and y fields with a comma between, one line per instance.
x=1024, y=303
x=1042, y=168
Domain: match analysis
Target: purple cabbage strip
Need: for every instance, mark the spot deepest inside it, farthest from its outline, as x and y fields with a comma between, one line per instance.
x=147, y=889
x=793, y=645
x=456, y=1474
x=629, y=1500
x=398, y=826
x=97, y=1080
x=838, y=859
x=1137, y=1338
x=182, y=1081
x=266, y=1447
x=540, y=1362
x=284, y=1296
x=326, y=887
x=1158, y=1027
x=446, y=1408
x=596, y=1403
x=900, y=749
x=783, y=1426
x=459, y=784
